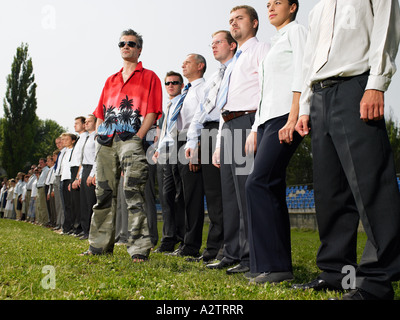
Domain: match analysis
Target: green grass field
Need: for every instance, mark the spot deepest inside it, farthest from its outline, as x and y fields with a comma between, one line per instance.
x=25, y=250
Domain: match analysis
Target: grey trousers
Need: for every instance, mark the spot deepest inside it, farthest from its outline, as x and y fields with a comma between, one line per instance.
x=234, y=175
x=129, y=157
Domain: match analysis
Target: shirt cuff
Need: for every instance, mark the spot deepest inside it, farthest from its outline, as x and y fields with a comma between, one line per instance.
x=380, y=83
x=304, y=110
x=191, y=144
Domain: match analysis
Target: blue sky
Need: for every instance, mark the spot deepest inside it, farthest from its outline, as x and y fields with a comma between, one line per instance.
x=73, y=44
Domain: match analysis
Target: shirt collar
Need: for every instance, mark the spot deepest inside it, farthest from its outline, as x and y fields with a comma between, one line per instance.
x=197, y=82
x=227, y=63
x=248, y=44
x=138, y=68
x=283, y=30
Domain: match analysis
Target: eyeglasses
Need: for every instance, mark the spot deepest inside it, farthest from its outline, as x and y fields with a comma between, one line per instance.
x=174, y=83
x=217, y=43
x=131, y=44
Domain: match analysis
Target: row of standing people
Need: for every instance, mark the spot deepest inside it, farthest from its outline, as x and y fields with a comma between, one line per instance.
x=59, y=191
x=263, y=105
x=29, y=196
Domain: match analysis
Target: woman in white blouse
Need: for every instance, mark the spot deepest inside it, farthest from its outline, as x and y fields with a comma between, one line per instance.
x=277, y=140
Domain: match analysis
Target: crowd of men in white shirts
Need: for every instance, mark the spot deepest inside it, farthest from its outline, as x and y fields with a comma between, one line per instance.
x=59, y=192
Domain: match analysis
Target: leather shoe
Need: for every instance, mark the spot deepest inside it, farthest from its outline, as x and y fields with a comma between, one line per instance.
x=199, y=259
x=221, y=264
x=357, y=294
x=251, y=275
x=181, y=253
x=273, y=277
x=161, y=249
x=317, y=284
x=238, y=269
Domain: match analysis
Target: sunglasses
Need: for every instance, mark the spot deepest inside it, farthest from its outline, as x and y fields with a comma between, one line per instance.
x=174, y=83
x=131, y=44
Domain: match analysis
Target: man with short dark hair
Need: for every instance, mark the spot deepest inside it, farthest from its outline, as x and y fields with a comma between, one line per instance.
x=129, y=105
x=75, y=162
x=87, y=173
x=238, y=100
x=42, y=214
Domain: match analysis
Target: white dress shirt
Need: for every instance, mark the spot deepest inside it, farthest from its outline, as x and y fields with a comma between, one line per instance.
x=366, y=38
x=89, y=154
x=34, y=189
x=77, y=150
x=59, y=161
x=281, y=72
x=201, y=116
x=49, y=176
x=244, y=87
x=42, y=178
x=66, y=165
x=31, y=179
x=168, y=138
x=193, y=98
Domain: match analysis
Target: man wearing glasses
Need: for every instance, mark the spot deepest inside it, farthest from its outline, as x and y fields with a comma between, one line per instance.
x=130, y=104
x=204, y=126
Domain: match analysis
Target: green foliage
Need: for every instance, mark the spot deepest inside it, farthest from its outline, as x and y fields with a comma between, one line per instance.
x=47, y=132
x=20, y=120
x=394, y=138
x=299, y=171
x=24, y=138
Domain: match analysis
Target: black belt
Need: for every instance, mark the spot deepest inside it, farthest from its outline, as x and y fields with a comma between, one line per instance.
x=318, y=86
x=330, y=82
x=210, y=123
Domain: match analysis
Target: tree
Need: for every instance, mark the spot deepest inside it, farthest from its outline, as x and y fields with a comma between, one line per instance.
x=300, y=171
x=394, y=138
x=46, y=134
x=20, y=119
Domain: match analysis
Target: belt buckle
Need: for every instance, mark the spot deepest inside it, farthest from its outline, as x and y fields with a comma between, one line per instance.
x=321, y=83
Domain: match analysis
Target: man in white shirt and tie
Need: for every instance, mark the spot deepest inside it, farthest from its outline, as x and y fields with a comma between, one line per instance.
x=75, y=161
x=42, y=214
x=238, y=103
x=193, y=69
x=170, y=186
x=204, y=127
x=87, y=176
x=349, y=62
x=57, y=184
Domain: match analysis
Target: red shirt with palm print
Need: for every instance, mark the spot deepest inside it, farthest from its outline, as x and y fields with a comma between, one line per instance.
x=123, y=106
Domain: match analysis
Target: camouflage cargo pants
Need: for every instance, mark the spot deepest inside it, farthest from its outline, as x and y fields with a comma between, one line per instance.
x=129, y=157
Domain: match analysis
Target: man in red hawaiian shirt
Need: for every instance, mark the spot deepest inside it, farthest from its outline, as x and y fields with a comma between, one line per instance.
x=130, y=104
